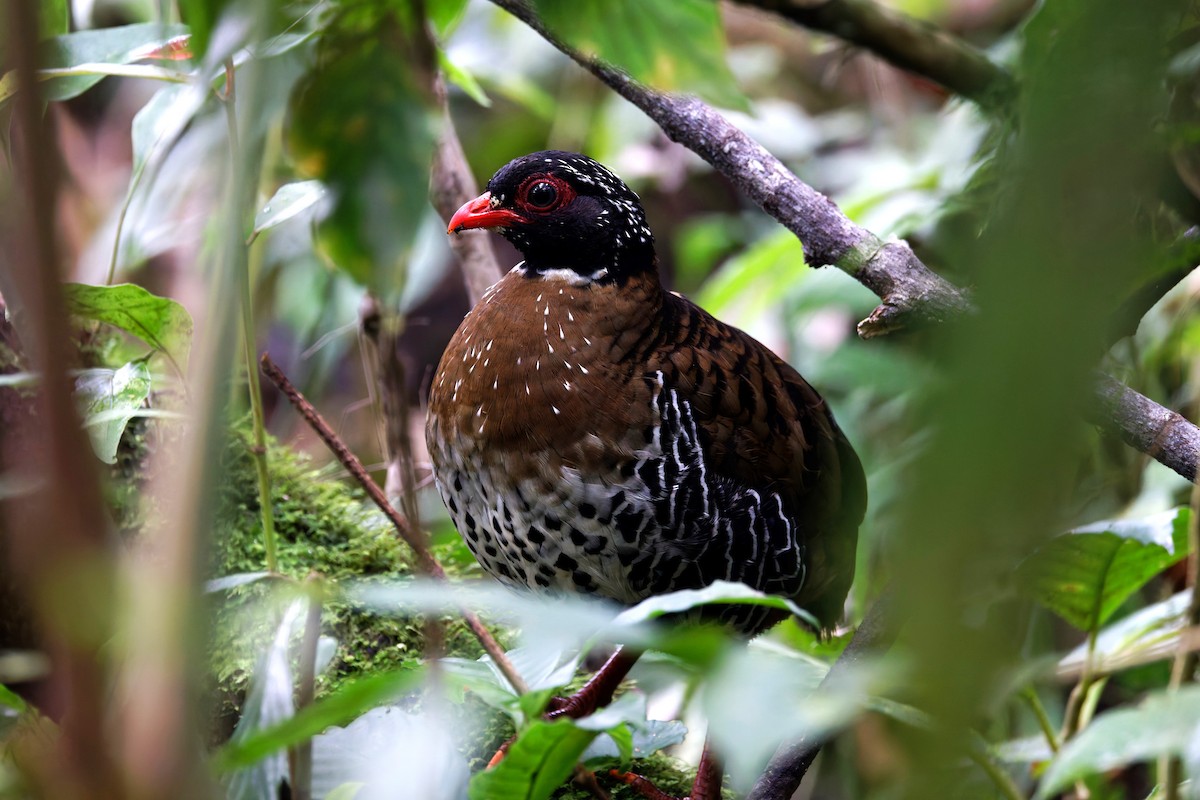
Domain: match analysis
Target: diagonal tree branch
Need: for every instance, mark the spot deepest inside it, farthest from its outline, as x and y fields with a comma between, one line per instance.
x=904, y=42
x=909, y=291
x=451, y=185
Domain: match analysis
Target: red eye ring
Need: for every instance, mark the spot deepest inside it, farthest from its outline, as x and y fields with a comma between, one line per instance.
x=555, y=193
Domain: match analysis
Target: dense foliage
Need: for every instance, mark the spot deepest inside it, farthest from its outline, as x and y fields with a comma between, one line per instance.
x=201, y=181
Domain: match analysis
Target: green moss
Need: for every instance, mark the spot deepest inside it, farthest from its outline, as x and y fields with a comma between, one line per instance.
x=329, y=527
x=322, y=526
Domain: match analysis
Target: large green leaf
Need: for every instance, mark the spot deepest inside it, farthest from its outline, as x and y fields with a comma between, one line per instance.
x=1085, y=575
x=670, y=44
x=108, y=399
x=108, y=46
x=360, y=124
x=158, y=321
x=389, y=747
x=1130, y=640
x=340, y=707
x=268, y=703
x=1164, y=724
x=716, y=593
x=537, y=763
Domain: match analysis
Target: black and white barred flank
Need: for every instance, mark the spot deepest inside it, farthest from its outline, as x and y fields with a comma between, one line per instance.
x=660, y=523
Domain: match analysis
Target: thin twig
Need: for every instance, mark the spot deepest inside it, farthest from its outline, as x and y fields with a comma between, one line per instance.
x=451, y=184
x=1030, y=696
x=977, y=752
x=910, y=44
x=426, y=563
x=909, y=291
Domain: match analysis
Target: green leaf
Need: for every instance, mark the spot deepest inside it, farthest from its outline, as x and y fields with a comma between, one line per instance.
x=1164, y=723
x=109, y=399
x=445, y=15
x=762, y=273
x=626, y=733
x=389, y=747
x=288, y=201
x=347, y=791
x=1085, y=575
x=19, y=380
x=463, y=79
x=537, y=763
x=10, y=699
x=648, y=737
x=1153, y=628
x=158, y=321
x=201, y=16
x=719, y=592
x=676, y=45
x=268, y=702
x=228, y=582
x=56, y=18
x=1026, y=750
x=361, y=125
x=161, y=120
x=339, y=708
x=108, y=46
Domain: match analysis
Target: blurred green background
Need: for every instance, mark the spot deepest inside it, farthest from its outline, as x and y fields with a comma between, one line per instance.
x=1066, y=206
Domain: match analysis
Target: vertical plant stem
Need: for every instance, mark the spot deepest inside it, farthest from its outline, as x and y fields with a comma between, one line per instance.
x=55, y=537
x=1075, y=703
x=306, y=689
x=1183, y=670
x=1003, y=782
x=1030, y=696
x=381, y=330
x=258, y=419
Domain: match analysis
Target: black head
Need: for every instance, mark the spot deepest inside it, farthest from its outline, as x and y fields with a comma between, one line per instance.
x=564, y=211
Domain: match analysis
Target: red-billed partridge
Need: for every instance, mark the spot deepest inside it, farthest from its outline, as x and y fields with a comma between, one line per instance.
x=592, y=432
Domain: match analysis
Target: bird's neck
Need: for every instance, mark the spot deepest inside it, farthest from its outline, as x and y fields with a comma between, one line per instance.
x=617, y=264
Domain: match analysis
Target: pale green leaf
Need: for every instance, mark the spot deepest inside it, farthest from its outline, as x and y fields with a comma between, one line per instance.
x=463, y=79
x=228, y=582
x=288, y=201
x=759, y=274
x=351, y=700
x=1163, y=724
x=718, y=592
x=108, y=399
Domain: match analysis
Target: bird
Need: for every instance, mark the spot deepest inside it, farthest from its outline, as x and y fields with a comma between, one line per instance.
x=592, y=432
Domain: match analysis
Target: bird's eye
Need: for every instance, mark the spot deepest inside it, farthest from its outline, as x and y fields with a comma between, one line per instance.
x=541, y=195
